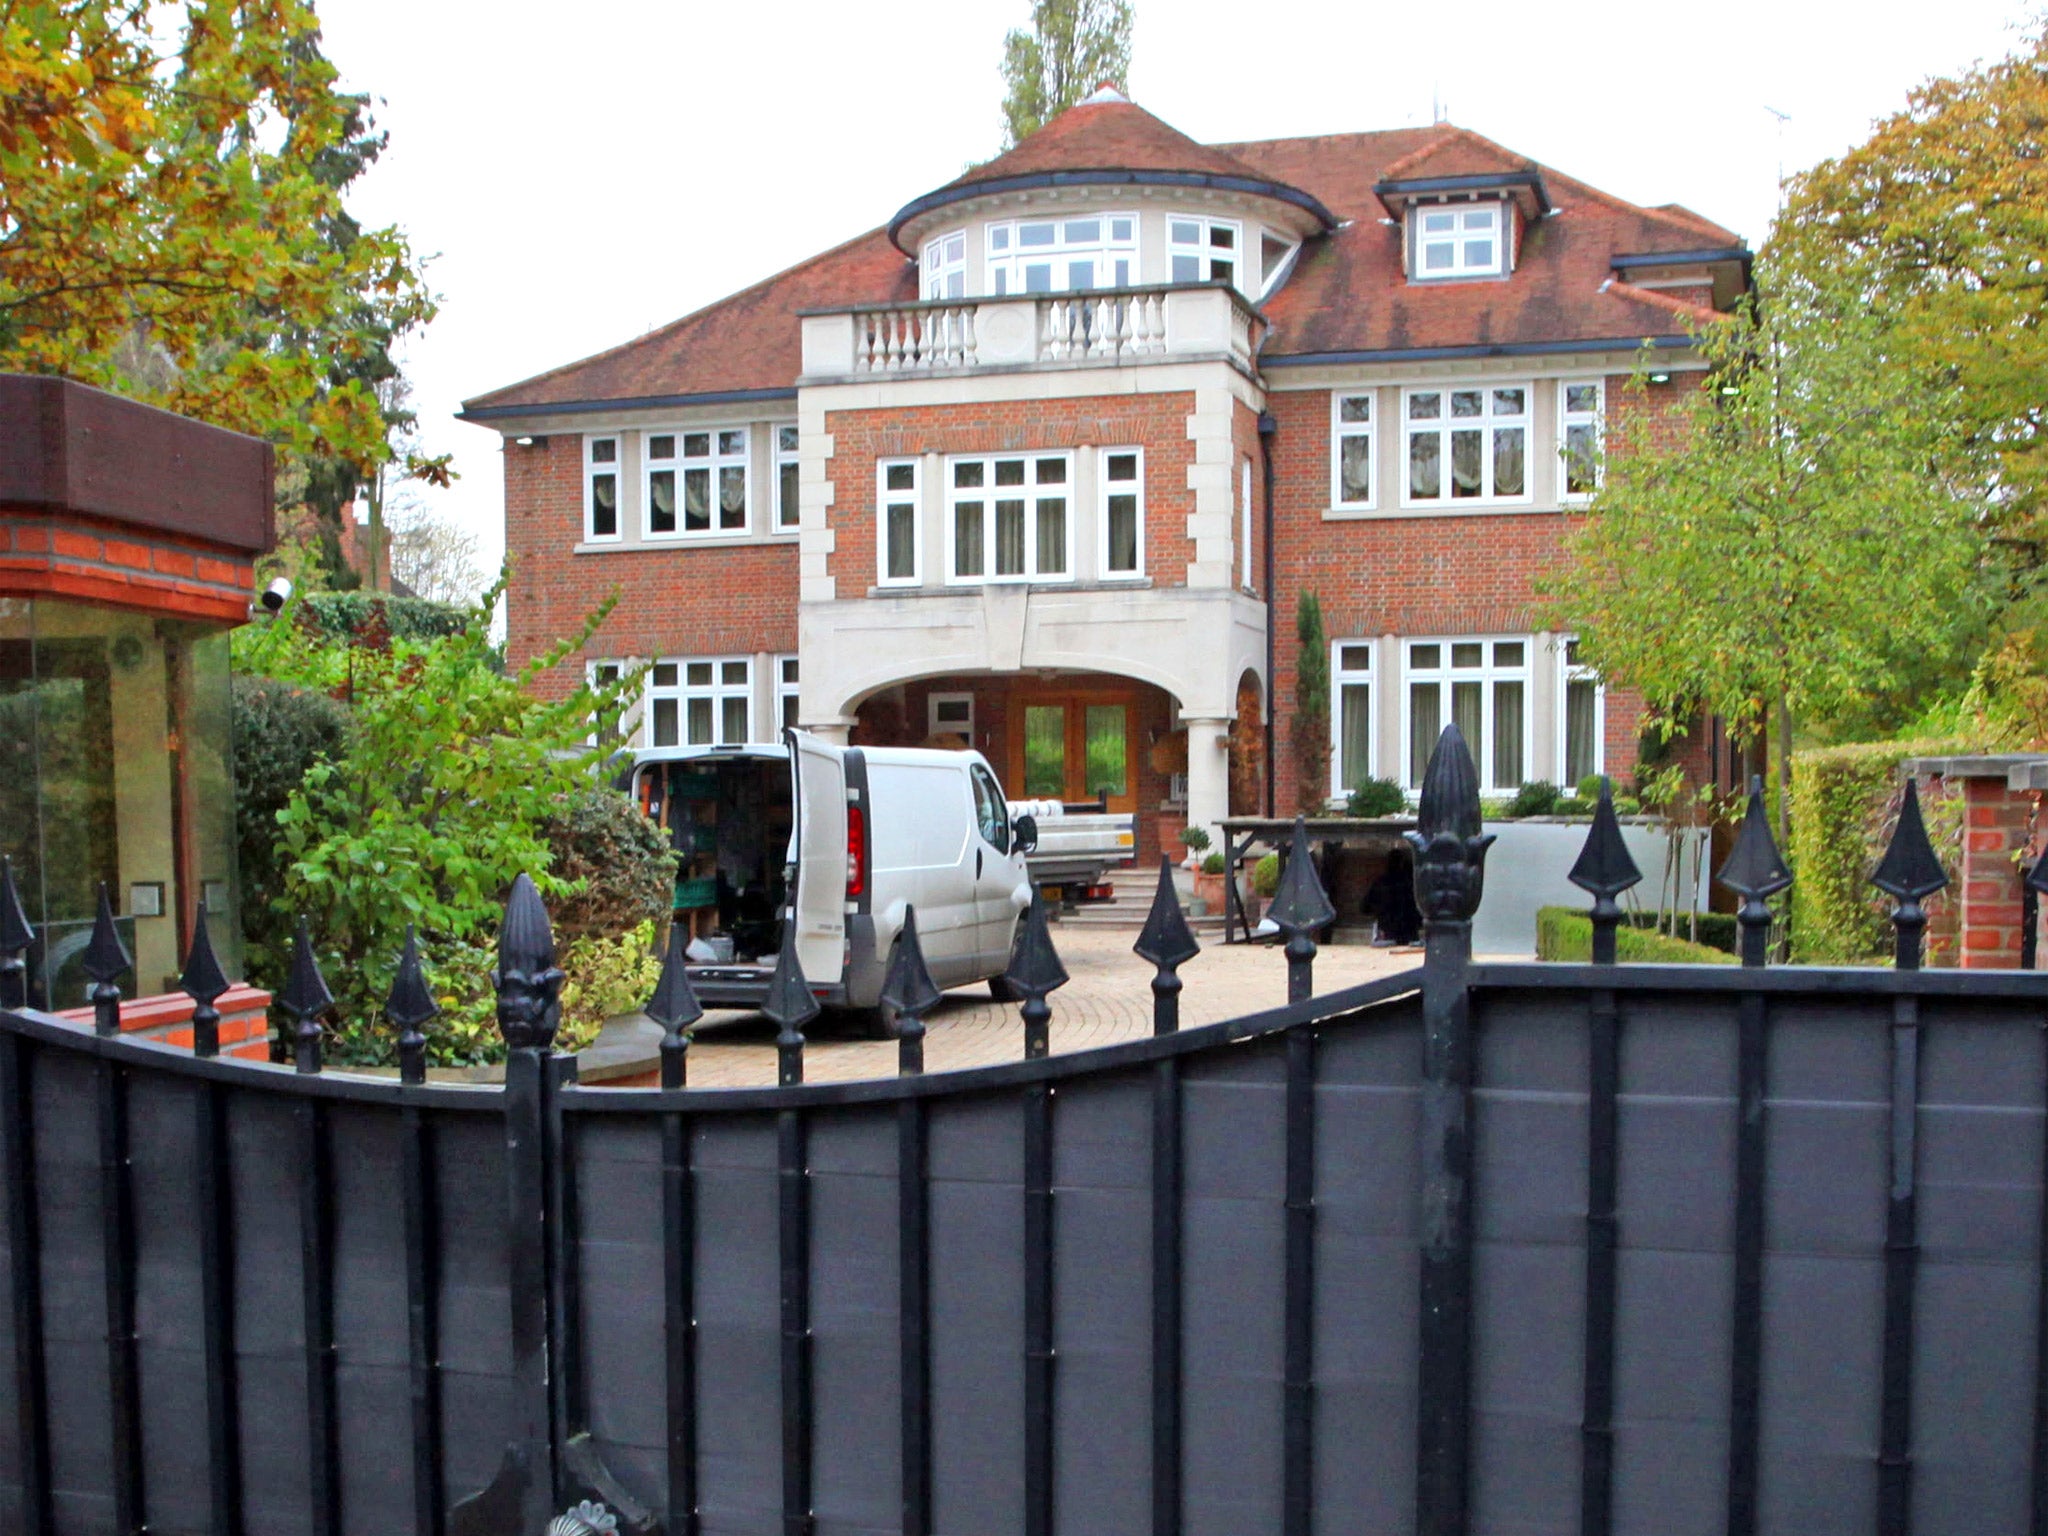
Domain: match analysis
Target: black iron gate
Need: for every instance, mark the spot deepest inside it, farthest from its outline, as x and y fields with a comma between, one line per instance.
x=1481, y=1247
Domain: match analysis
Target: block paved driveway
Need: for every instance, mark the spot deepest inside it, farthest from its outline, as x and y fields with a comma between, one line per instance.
x=1108, y=999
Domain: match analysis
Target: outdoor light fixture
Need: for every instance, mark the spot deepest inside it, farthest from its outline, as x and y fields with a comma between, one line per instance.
x=277, y=594
x=1660, y=378
x=1731, y=389
x=528, y=442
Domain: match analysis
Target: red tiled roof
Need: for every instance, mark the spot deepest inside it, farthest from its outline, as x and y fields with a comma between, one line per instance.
x=1107, y=136
x=749, y=341
x=1347, y=292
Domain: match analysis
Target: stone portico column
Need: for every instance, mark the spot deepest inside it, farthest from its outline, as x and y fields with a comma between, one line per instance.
x=1208, y=775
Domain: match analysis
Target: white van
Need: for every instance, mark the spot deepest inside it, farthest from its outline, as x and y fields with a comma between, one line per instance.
x=841, y=840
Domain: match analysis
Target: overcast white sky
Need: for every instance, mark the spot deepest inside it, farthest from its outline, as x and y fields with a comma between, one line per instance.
x=580, y=174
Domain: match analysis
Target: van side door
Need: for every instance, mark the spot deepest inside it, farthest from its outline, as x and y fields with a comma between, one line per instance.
x=818, y=901
x=1001, y=884
x=923, y=845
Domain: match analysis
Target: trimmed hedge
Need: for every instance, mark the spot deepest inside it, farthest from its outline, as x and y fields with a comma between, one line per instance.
x=1716, y=930
x=403, y=618
x=1844, y=803
x=280, y=731
x=1565, y=933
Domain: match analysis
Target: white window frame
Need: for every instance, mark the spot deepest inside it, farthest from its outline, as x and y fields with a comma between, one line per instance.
x=1568, y=419
x=1204, y=250
x=1487, y=424
x=1342, y=430
x=1461, y=214
x=1271, y=277
x=715, y=461
x=616, y=468
x=788, y=512
x=886, y=499
x=1340, y=676
x=682, y=691
x=1104, y=489
x=944, y=268
x=933, y=724
x=1244, y=522
x=788, y=686
x=1488, y=673
x=1570, y=671
x=986, y=493
x=629, y=716
x=1007, y=256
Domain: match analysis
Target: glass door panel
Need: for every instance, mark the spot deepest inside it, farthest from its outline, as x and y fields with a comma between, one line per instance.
x=1045, y=752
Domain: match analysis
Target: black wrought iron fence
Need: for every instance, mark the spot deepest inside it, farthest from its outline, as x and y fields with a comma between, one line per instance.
x=1475, y=1247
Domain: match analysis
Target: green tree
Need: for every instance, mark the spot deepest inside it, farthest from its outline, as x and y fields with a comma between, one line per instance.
x=444, y=789
x=172, y=223
x=1941, y=217
x=1071, y=47
x=1792, y=539
x=1311, y=702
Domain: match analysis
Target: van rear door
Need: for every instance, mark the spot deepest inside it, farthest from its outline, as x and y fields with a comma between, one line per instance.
x=818, y=781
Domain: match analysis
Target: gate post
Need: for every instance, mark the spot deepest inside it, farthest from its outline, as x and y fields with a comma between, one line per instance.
x=1450, y=858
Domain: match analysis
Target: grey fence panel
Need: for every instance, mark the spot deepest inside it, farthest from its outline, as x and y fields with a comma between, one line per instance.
x=618, y=1258
x=74, y=1296
x=473, y=1299
x=856, y=1485
x=169, y=1312
x=1827, y=1122
x=372, y=1378
x=1102, y=1306
x=1233, y=1263
x=1674, y=1290
x=1980, y=1267
x=1366, y=1269
x=269, y=1314
x=738, y=1351
x=977, y=1316
x=1528, y=1325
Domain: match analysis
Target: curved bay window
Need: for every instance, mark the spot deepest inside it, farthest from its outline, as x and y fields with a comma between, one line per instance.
x=114, y=768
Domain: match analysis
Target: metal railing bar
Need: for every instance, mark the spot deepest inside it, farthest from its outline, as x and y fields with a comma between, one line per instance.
x=679, y=1323
x=117, y=1237
x=214, y=1196
x=1166, y=1297
x=913, y=1222
x=1745, y=1371
x=793, y=1229
x=316, y=1235
x=1901, y=1266
x=422, y=1319
x=1596, y=1428
x=1349, y=1007
x=1038, y=1310
x=1778, y=980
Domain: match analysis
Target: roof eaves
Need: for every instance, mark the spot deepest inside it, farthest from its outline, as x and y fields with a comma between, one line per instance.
x=1695, y=258
x=1473, y=351
x=1482, y=181
x=489, y=413
x=1033, y=181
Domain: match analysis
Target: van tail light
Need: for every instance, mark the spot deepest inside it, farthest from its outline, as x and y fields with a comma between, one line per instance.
x=856, y=851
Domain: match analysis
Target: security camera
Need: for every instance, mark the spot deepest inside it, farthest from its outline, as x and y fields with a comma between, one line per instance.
x=277, y=594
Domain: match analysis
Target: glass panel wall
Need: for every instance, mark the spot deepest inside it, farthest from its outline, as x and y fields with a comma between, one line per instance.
x=116, y=767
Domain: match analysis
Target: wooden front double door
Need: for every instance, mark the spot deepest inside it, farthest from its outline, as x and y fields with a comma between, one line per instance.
x=1074, y=745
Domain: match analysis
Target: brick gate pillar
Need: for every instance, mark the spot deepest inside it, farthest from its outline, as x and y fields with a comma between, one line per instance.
x=2001, y=797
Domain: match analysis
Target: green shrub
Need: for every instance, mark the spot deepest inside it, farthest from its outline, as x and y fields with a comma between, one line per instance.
x=340, y=615
x=1213, y=865
x=1538, y=797
x=1564, y=933
x=1572, y=805
x=603, y=977
x=1627, y=805
x=597, y=836
x=1376, y=797
x=280, y=731
x=1716, y=930
x=1266, y=876
x=1195, y=837
x=1845, y=802
x=1588, y=788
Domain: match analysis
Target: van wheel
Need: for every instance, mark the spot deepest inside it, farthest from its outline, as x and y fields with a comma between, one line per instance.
x=1000, y=989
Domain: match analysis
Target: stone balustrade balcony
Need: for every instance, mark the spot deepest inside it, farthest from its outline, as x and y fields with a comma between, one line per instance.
x=1102, y=327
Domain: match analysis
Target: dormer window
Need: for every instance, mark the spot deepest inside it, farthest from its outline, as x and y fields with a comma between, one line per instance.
x=1199, y=250
x=1063, y=255
x=945, y=267
x=1458, y=240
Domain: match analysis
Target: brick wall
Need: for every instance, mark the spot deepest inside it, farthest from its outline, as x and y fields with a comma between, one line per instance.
x=1998, y=846
x=123, y=565
x=1423, y=575
x=1156, y=423
x=674, y=600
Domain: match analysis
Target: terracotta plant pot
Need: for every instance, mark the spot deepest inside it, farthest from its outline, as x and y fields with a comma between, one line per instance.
x=1209, y=891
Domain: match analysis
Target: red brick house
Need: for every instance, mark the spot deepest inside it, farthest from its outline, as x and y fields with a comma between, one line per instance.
x=1046, y=461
